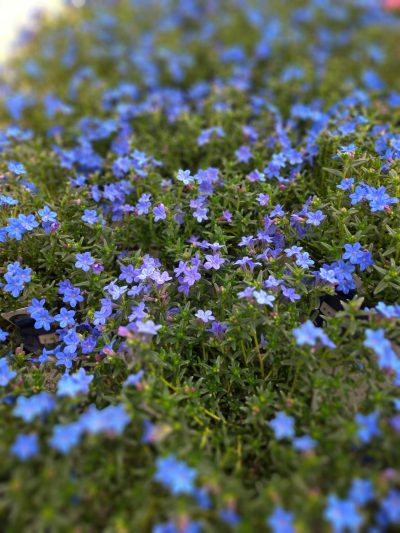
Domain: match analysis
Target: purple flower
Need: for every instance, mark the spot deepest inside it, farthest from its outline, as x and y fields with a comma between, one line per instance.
x=264, y=298
x=148, y=327
x=290, y=294
x=159, y=212
x=315, y=218
x=345, y=184
x=227, y=216
x=263, y=199
x=205, y=316
x=213, y=262
x=185, y=177
x=243, y=154
x=143, y=204
x=303, y=260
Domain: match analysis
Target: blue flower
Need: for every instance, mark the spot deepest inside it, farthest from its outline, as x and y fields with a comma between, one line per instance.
x=133, y=379
x=65, y=317
x=148, y=327
x=143, y=204
x=229, y=516
x=281, y=521
x=16, y=276
x=213, y=261
x=353, y=252
x=17, y=168
x=65, y=436
x=345, y=184
x=38, y=404
x=111, y=420
x=391, y=506
x=264, y=298
x=84, y=261
x=315, y=218
x=159, y=212
x=3, y=335
x=185, y=177
x=342, y=515
x=361, y=491
x=309, y=334
x=367, y=426
x=243, y=154
x=42, y=319
x=28, y=222
x=90, y=216
x=303, y=260
x=176, y=475
x=73, y=384
x=25, y=446
x=47, y=215
x=6, y=374
x=282, y=426
x=304, y=443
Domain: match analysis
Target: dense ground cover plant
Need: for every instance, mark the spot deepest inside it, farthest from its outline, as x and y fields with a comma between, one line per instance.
x=181, y=183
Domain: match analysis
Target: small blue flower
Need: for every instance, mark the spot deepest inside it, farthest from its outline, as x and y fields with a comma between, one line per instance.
x=25, y=446
x=309, y=334
x=315, y=218
x=65, y=317
x=159, y=212
x=73, y=384
x=185, y=177
x=282, y=426
x=84, y=261
x=30, y=408
x=367, y=426
x=3, y=335
x=361, y=491
x=264, y=298
x=176, y=475
x=66, y=436
x=342, y=515
x=90, y=216
x=281, y=521
x=17, y=168
x=6, y=374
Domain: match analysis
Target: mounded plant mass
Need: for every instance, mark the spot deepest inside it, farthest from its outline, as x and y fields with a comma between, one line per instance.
x=200, y=259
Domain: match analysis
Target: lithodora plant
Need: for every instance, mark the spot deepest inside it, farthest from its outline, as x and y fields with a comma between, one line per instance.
x=199, y=285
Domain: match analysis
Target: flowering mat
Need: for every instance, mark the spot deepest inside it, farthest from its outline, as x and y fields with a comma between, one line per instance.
x=200, y=250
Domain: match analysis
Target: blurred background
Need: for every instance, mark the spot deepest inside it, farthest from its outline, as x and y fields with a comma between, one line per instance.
x=15, y=14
